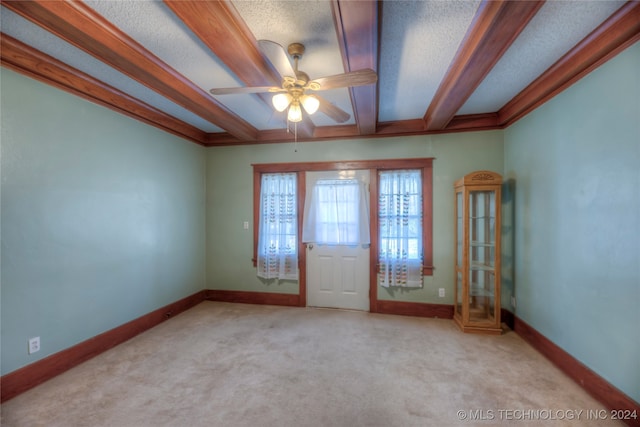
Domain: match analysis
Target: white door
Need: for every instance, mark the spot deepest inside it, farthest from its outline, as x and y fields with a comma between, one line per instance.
x=338, y=274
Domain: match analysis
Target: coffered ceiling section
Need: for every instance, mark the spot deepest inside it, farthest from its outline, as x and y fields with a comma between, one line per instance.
x=440, y=66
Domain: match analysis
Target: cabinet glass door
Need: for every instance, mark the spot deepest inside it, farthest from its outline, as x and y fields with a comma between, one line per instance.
x=482, y=253
x=459, y=251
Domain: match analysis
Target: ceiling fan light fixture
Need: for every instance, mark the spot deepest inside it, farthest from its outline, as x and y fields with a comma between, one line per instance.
x=310, y=103
x=295, y=113
x=281, y=101
x=290, y=97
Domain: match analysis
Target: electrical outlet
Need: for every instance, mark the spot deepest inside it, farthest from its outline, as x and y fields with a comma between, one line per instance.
x=245, y=225
x=441, y=292
x=34, y=345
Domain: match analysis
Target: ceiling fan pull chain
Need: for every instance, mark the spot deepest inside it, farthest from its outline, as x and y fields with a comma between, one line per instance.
x=295, y=137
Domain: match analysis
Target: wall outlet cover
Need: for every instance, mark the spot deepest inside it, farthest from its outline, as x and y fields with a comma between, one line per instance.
x=34, y=345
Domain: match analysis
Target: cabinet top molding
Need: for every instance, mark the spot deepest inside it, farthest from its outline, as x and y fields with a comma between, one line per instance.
x=479, y=178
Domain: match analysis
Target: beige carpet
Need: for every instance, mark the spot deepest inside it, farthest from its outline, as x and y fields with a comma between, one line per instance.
x=222, y=364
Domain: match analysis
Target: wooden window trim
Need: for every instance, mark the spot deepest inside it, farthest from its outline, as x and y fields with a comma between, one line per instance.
x=374, y=166
x=426, y=173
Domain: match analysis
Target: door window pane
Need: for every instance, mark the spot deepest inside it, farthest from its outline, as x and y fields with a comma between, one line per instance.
x=337, y=213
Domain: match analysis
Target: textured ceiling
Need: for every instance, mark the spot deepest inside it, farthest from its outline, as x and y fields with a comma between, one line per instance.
x=556, y=28
x=48, y=43
x=306, y=22
x=414, y=47
x=418, y=42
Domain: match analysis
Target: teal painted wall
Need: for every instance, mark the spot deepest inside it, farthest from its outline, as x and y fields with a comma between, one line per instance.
x=230, y=199
x=102, y=219
x=575, y=165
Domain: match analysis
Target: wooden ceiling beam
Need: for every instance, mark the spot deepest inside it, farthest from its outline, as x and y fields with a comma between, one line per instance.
x=356, y=25
x=495, y=27
x=40, y=66
x=464, y=123
x=469, y=122
x=81, y=26
x=78, y=24
x=322, y=133
x=401, y=127
x=221, y=28
x=619, y=31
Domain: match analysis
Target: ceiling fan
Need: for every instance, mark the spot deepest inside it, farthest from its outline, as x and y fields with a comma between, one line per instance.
x=297, y=90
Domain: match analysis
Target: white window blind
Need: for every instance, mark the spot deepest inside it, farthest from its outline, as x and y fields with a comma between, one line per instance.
x=400, y=228
x=278, y=228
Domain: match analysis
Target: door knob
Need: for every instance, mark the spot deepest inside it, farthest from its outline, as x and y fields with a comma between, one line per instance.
x=310, y=246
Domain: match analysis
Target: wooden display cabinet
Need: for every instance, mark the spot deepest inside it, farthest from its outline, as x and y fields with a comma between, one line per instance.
x=477, y=252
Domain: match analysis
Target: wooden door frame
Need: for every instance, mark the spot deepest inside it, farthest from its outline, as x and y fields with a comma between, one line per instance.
x=374, y=166
x=369, y=172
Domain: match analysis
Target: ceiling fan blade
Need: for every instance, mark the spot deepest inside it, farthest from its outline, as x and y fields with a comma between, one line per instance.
x=242, y=90
x=278, y=57
x=337, y=114
x=355, y=78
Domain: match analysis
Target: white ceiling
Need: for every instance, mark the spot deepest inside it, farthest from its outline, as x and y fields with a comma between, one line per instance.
x=556, y=28
x=417, y=42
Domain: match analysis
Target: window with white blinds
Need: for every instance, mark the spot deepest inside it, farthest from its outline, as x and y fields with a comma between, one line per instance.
x=400, y=228
x=278, y=227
